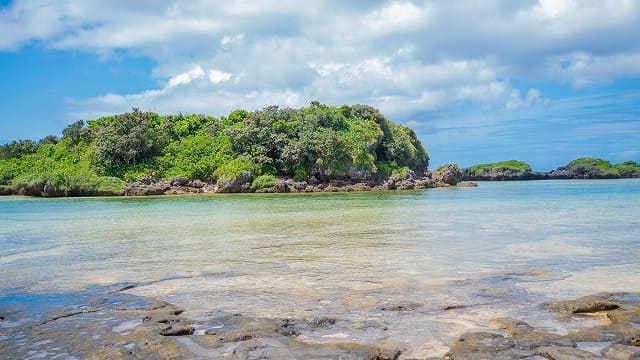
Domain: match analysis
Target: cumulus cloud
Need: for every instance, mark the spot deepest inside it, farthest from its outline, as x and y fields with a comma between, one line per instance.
x=186, y=77
x=395, y=16
x=231, y=39
x=403, y=56
x=217, y=76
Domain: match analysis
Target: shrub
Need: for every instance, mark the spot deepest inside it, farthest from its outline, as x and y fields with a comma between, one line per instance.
x=264, y=181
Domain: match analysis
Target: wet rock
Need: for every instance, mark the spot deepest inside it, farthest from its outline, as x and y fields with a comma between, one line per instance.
x=381, y=354
x=587, y=304
x=483, y=345
x=161, y=319
x=622, y=352
x=321, y=322
x=466, y=184
x=565, y=353
x=617, y=339
x=290, y=327
x=633, y=338
x=177, y=330
x=411, y=306
x=453, y=307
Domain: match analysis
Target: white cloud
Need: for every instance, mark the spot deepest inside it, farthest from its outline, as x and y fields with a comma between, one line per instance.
x=402, y=56
x=554, y=8
x=231, y=39
x=186, y=77
x=583, y=69
x=395, y=16
x=217, y=76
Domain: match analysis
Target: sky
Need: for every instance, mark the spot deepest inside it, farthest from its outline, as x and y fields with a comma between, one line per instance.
x=543, y=81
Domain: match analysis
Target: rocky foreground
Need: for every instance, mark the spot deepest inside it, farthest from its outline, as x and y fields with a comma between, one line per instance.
x=617, y=338
x=120, y=326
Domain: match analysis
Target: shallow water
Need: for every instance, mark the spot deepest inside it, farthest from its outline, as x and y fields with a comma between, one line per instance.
x=499, y=249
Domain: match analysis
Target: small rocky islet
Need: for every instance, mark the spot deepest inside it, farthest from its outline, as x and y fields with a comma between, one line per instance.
x=582, y=168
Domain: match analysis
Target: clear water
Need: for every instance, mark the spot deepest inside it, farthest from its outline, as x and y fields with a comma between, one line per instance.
x=499, y=250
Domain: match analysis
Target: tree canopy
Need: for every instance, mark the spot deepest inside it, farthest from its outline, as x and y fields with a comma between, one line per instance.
x=324, y=142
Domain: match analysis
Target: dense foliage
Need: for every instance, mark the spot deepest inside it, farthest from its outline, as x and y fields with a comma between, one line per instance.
x=513, y=165
x=354, y=142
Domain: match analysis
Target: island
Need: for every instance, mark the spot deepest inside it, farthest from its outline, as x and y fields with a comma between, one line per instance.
x=582, y=168
x=314, y=148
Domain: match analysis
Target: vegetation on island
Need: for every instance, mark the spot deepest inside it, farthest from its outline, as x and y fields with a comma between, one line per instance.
x=582, y=168
x=513, y=165
x=324, y=142
x=623, y=169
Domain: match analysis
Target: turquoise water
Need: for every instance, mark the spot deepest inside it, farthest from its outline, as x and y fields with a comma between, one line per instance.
x=499, y=249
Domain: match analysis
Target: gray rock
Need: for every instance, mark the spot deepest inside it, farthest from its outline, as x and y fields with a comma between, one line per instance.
x=177, y=330
x=450, y=174
x=240, y=183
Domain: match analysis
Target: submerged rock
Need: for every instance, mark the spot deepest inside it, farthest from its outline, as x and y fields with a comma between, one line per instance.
x=587, y=304
x=617, y=339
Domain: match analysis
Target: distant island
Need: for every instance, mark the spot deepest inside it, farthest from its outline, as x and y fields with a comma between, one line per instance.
x=583, y=168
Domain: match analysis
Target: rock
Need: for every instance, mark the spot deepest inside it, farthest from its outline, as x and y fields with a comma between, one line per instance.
x=5, y=191
x=467, y=184
x=482, y=345
x=410, y=306
x=452, y=307
x=580, y=172
x=196, y=183
x=622, y=352
x=240, y=183
x=502, y=174
x=321, y=322
x=565, y=353
x=148, y=180
x=449, y=174
x=179, y=181
x=587, y=304
x=177, y=330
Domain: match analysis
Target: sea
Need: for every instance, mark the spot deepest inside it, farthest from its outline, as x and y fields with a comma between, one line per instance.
x=428, y=264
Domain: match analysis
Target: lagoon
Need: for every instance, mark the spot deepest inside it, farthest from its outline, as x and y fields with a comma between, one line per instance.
x=383, y=264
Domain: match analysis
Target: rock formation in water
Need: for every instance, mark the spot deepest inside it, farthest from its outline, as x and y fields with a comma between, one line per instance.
x=583, y=168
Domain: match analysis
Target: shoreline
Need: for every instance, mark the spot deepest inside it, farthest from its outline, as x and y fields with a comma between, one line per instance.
x=151, y=185
x=110, y=322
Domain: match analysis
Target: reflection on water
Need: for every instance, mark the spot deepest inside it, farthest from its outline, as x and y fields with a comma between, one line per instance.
x=499, y=249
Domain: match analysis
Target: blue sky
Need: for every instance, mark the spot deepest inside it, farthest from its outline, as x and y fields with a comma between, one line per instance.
x=541, y=81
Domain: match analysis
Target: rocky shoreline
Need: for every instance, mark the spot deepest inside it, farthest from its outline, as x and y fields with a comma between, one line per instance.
x=116, y=325
x=151, y=185
x=617, y=337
